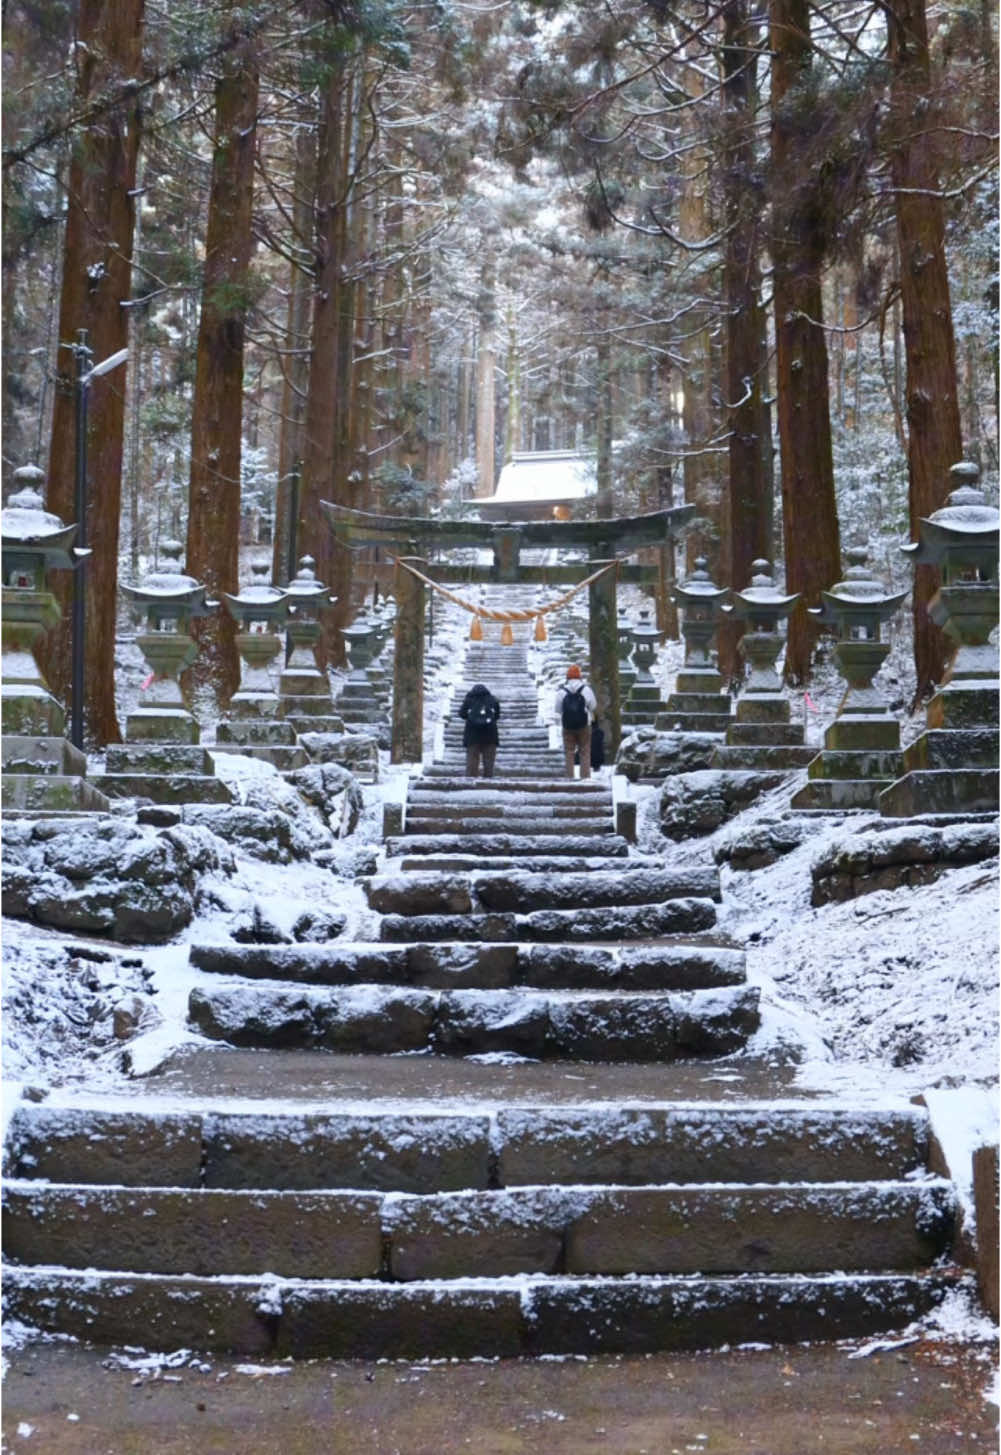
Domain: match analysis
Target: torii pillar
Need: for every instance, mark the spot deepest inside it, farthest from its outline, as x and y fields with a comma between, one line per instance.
x=408, y=662
x=603, y=647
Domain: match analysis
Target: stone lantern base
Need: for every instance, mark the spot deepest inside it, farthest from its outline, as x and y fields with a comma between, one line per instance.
x=953, y=766
x=43, y=773
x=305, y=703
x=761, y=735
x=861, y=757
x=698, y=704
x=163, y=773
x=643, y=705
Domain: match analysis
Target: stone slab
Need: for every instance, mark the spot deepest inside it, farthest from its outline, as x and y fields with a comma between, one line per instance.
x=378, y=1321
x=128, y=1148
x=204, y=1232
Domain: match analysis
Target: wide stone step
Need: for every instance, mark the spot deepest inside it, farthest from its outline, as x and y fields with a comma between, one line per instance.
x=682, y=916
x=522, y=893
x=714, y=1228
x=573, y=1026
x=429, y=1151
x=523, y=783
x=530, y=863
x=511, y=845
x=468, y=806
x=444, y=966
x=300, y=1319
x=510, y=823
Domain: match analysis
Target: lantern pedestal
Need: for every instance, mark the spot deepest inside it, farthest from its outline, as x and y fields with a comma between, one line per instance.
x=698, y=703
x=161, y=759
x=363, y=699
x=43, y=773
x=953, y=766
x=861, y=754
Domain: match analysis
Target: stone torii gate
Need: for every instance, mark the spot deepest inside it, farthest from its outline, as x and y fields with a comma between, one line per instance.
x=414, y=540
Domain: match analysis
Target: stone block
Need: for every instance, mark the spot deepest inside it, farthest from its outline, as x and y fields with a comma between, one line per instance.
x=420, y=894
x=372, y=1021
x=974, y=748
x=628, y=922
x=344, y=1321
x=763, y=708
x=158, y=788
x=251, y=1018
x=625, y=819
x=157, y=1313
x=525, y=893
x=842, y=794
x=127, y=1149
x=394, y=928
x=798, y=1229
x=964, y=707
x=483, y=1234
x=645, y=1315
x=320, y=964
x=385, y=1153
x=171, y=725
x=861, y=732
x=856, y=764
x=566, y=967
x=204, y=1232
x=705, y=1145
x=717, y=1022
x=459, y=966
x=166, y=758
x=51, y=793
x=626, y=1028
x=472, y=1023
x=35, y=754
x=973, y=790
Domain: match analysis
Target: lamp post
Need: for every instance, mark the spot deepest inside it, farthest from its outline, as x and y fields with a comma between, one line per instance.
x=170, y=599
x=83, y=377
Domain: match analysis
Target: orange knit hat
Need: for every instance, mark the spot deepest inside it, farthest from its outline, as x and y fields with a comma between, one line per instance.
x=573, y=671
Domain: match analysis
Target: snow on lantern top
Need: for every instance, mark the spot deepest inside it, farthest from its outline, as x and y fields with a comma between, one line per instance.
x=170, y=596
x=33, y=539
x=962, y=537
x=259, y=600
x=858, y=605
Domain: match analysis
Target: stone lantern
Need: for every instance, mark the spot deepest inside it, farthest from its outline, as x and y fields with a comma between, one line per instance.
x=161, y=759
x=252, y=725
x=698, y=702
x=861, y=754
x=952, y=766
x=358, y=701
x=42, y=771
x=624, y=647
x=304, y=697
x=644, y=700
x=762, y=735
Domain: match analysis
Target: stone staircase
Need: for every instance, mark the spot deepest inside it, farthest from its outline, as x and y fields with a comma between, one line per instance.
x=513, y=927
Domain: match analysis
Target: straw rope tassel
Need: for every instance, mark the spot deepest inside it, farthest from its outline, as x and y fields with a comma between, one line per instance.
x=476, y=630
x=540, y=629
x=507, y=635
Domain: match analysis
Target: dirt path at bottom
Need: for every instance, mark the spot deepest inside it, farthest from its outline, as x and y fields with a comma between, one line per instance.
x=922, y=1399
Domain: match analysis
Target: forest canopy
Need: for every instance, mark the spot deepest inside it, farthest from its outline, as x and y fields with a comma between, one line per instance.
x=743, y=253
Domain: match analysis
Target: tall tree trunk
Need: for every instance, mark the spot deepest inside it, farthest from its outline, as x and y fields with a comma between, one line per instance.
x=810, y=521
x=748, y=514
x=217, y=413
x=296, y=365
x=486, y=356
x=700, y=467
x=326, y=381
x=97, y=268
x=604, y=429
x=934, y=436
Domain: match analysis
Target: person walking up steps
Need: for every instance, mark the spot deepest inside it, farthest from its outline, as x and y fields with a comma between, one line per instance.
x=575, y=709
x=480, y=711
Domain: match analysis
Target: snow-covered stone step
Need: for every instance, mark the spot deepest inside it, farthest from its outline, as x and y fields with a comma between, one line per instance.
x=468, y=1318
x=681, y=916
x=481, y=966
x=466, y=807
x=509, y=823
x=530, y=863
x=429, y=1151
x=523, y=783
x=706, y=1228
x=523, y=893
x=511, y=845
x=562, y=1025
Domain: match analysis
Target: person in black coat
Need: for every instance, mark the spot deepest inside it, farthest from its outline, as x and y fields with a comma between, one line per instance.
x=480, y=711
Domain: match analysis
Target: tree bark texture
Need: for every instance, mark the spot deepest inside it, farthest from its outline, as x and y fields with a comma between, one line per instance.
x=217, y=414
x=934, y=434
x=748, y=515
x=810, y=521
x=486, y=356
x=295, y=381
x=328, y=385
x=97, y=271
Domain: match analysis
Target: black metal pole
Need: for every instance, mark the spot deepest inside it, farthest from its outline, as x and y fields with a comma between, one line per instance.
x=82, y=356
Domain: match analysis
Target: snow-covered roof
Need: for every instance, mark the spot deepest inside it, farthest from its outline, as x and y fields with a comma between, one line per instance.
x=547, y=475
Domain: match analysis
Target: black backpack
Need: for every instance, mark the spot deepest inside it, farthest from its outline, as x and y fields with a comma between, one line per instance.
x=574, y=710
x=481, y=712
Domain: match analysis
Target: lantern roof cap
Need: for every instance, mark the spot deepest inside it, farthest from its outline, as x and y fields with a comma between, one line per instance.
x=859, y=593
x=259, y=591
x=304, y=584
x=762, y=590
x=700, y=584
x=169, y=583
x=24, y=519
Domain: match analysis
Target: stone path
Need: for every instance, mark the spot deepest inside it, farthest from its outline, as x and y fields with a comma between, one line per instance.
x=511, y=922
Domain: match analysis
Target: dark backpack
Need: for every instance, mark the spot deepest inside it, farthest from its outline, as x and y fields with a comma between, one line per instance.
x=481, y=712
x=597, y=747
x=574, y=710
